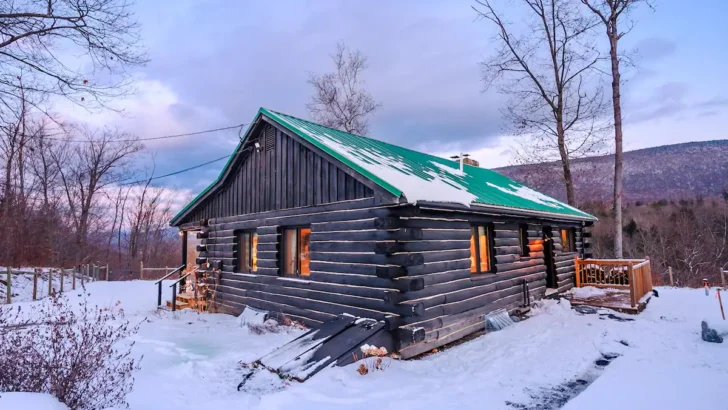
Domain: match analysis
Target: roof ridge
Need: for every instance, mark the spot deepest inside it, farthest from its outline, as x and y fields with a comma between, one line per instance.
x=363, y=136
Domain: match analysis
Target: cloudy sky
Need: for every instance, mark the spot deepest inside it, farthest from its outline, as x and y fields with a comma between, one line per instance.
x=214, y=63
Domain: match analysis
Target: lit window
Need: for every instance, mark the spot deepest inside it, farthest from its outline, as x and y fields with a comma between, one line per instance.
x=567, y=240
x=296, y=258
x=480, y=249
x=523, y=236
x=247, y=247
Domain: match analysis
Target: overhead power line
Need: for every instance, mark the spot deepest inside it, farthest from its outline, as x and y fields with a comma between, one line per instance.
x=183, y=170
x=156, y=138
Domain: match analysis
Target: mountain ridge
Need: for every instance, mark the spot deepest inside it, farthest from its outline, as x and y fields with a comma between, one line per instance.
x=676, y=171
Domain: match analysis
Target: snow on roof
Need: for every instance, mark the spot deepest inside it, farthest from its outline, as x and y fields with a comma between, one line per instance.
x=422, y=177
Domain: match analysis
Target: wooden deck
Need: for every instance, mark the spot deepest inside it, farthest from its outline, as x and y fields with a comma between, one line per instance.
x=621, y=284
x=615, y=299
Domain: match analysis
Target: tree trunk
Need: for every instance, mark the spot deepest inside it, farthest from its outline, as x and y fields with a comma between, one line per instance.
x=565, y=164
x=618, y=156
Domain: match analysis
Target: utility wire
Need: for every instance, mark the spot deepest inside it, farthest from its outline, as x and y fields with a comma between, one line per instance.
x=156, y=138
x=183, y=170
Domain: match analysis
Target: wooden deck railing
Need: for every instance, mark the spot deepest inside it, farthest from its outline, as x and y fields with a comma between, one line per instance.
x=631, y=274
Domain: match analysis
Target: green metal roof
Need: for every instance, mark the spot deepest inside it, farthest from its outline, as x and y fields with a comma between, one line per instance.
x=417, y=176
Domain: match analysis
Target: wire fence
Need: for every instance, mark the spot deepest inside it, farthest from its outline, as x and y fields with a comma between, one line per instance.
x=28, y=284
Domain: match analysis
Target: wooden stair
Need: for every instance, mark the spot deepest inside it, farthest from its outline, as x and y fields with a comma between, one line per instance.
x=188, y=301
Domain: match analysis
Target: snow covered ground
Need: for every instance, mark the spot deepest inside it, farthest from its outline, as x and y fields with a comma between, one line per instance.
x=657, y=360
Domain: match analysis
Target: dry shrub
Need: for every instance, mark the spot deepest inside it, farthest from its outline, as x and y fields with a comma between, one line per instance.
x=81, y=356
x=375, y=358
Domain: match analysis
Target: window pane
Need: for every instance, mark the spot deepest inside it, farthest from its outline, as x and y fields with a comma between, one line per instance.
x=473, y=261
x=566, y=240
x=290, y=249
x=244, y=257
x=305, y=254
x=523, y=234
x=483, y=251
x=254, y=252
x=242, y=250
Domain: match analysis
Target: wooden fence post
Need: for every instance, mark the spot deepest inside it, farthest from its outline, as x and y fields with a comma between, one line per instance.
x=577, y=271
x=73, y=281
x=62, y=279
x=50, y=281
x=83, y=269
x=141, y=270
x=35, y=283
x=107, y=272
x=669, y=272
x=722, y=277
x=9, y=290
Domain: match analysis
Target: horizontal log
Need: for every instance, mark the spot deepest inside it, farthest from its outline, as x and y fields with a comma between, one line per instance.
x=331, y=207
x=506, y=234
x=219, y=254
x=433, y=223
x=308, y=218
x=505, y=259
x=268, y=247
x=381, y=271
x=444, y=277
x=507, y=250
x=441, y=256
x=505, y=267
x=403, y=259
x=446, y=234
x=403, y=285
x=427, y=246
x=267, y=263
x=356, y=225
x=359, y=247
x=271, y=255
x=202, y=234
x=267, y=271
x=368, y=235
x=506, y=241
x=304, y=283
x=268, y=230
x=438, y=267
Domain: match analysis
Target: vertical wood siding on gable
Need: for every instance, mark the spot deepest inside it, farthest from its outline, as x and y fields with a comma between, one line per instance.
x=287, y=176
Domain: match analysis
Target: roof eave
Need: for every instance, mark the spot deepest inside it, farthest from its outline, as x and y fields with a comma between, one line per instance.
x=504, y=210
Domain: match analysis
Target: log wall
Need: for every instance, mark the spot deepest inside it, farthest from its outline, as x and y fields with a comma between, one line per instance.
x=455, y=300
x=401, y=264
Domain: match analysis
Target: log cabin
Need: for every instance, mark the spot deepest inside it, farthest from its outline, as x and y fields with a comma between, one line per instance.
x=312, y=222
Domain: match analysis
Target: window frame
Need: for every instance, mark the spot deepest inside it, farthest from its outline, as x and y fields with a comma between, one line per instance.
x=252, y=251
x=570, y=238
x=297, y=255
x=523, y=240
x=490, y=247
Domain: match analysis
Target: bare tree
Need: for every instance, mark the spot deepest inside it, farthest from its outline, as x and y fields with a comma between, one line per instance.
x=339, y=100
x=546, y=68
x=77, y=49
x=610, y=13
x=103, y=159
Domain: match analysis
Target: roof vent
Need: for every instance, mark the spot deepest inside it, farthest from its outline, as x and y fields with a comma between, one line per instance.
x=464, y=159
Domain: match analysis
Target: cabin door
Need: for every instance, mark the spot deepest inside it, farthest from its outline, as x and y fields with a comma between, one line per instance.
x=548, y=257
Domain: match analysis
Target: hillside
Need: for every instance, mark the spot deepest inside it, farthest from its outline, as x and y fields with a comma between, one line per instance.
x=666, y=172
